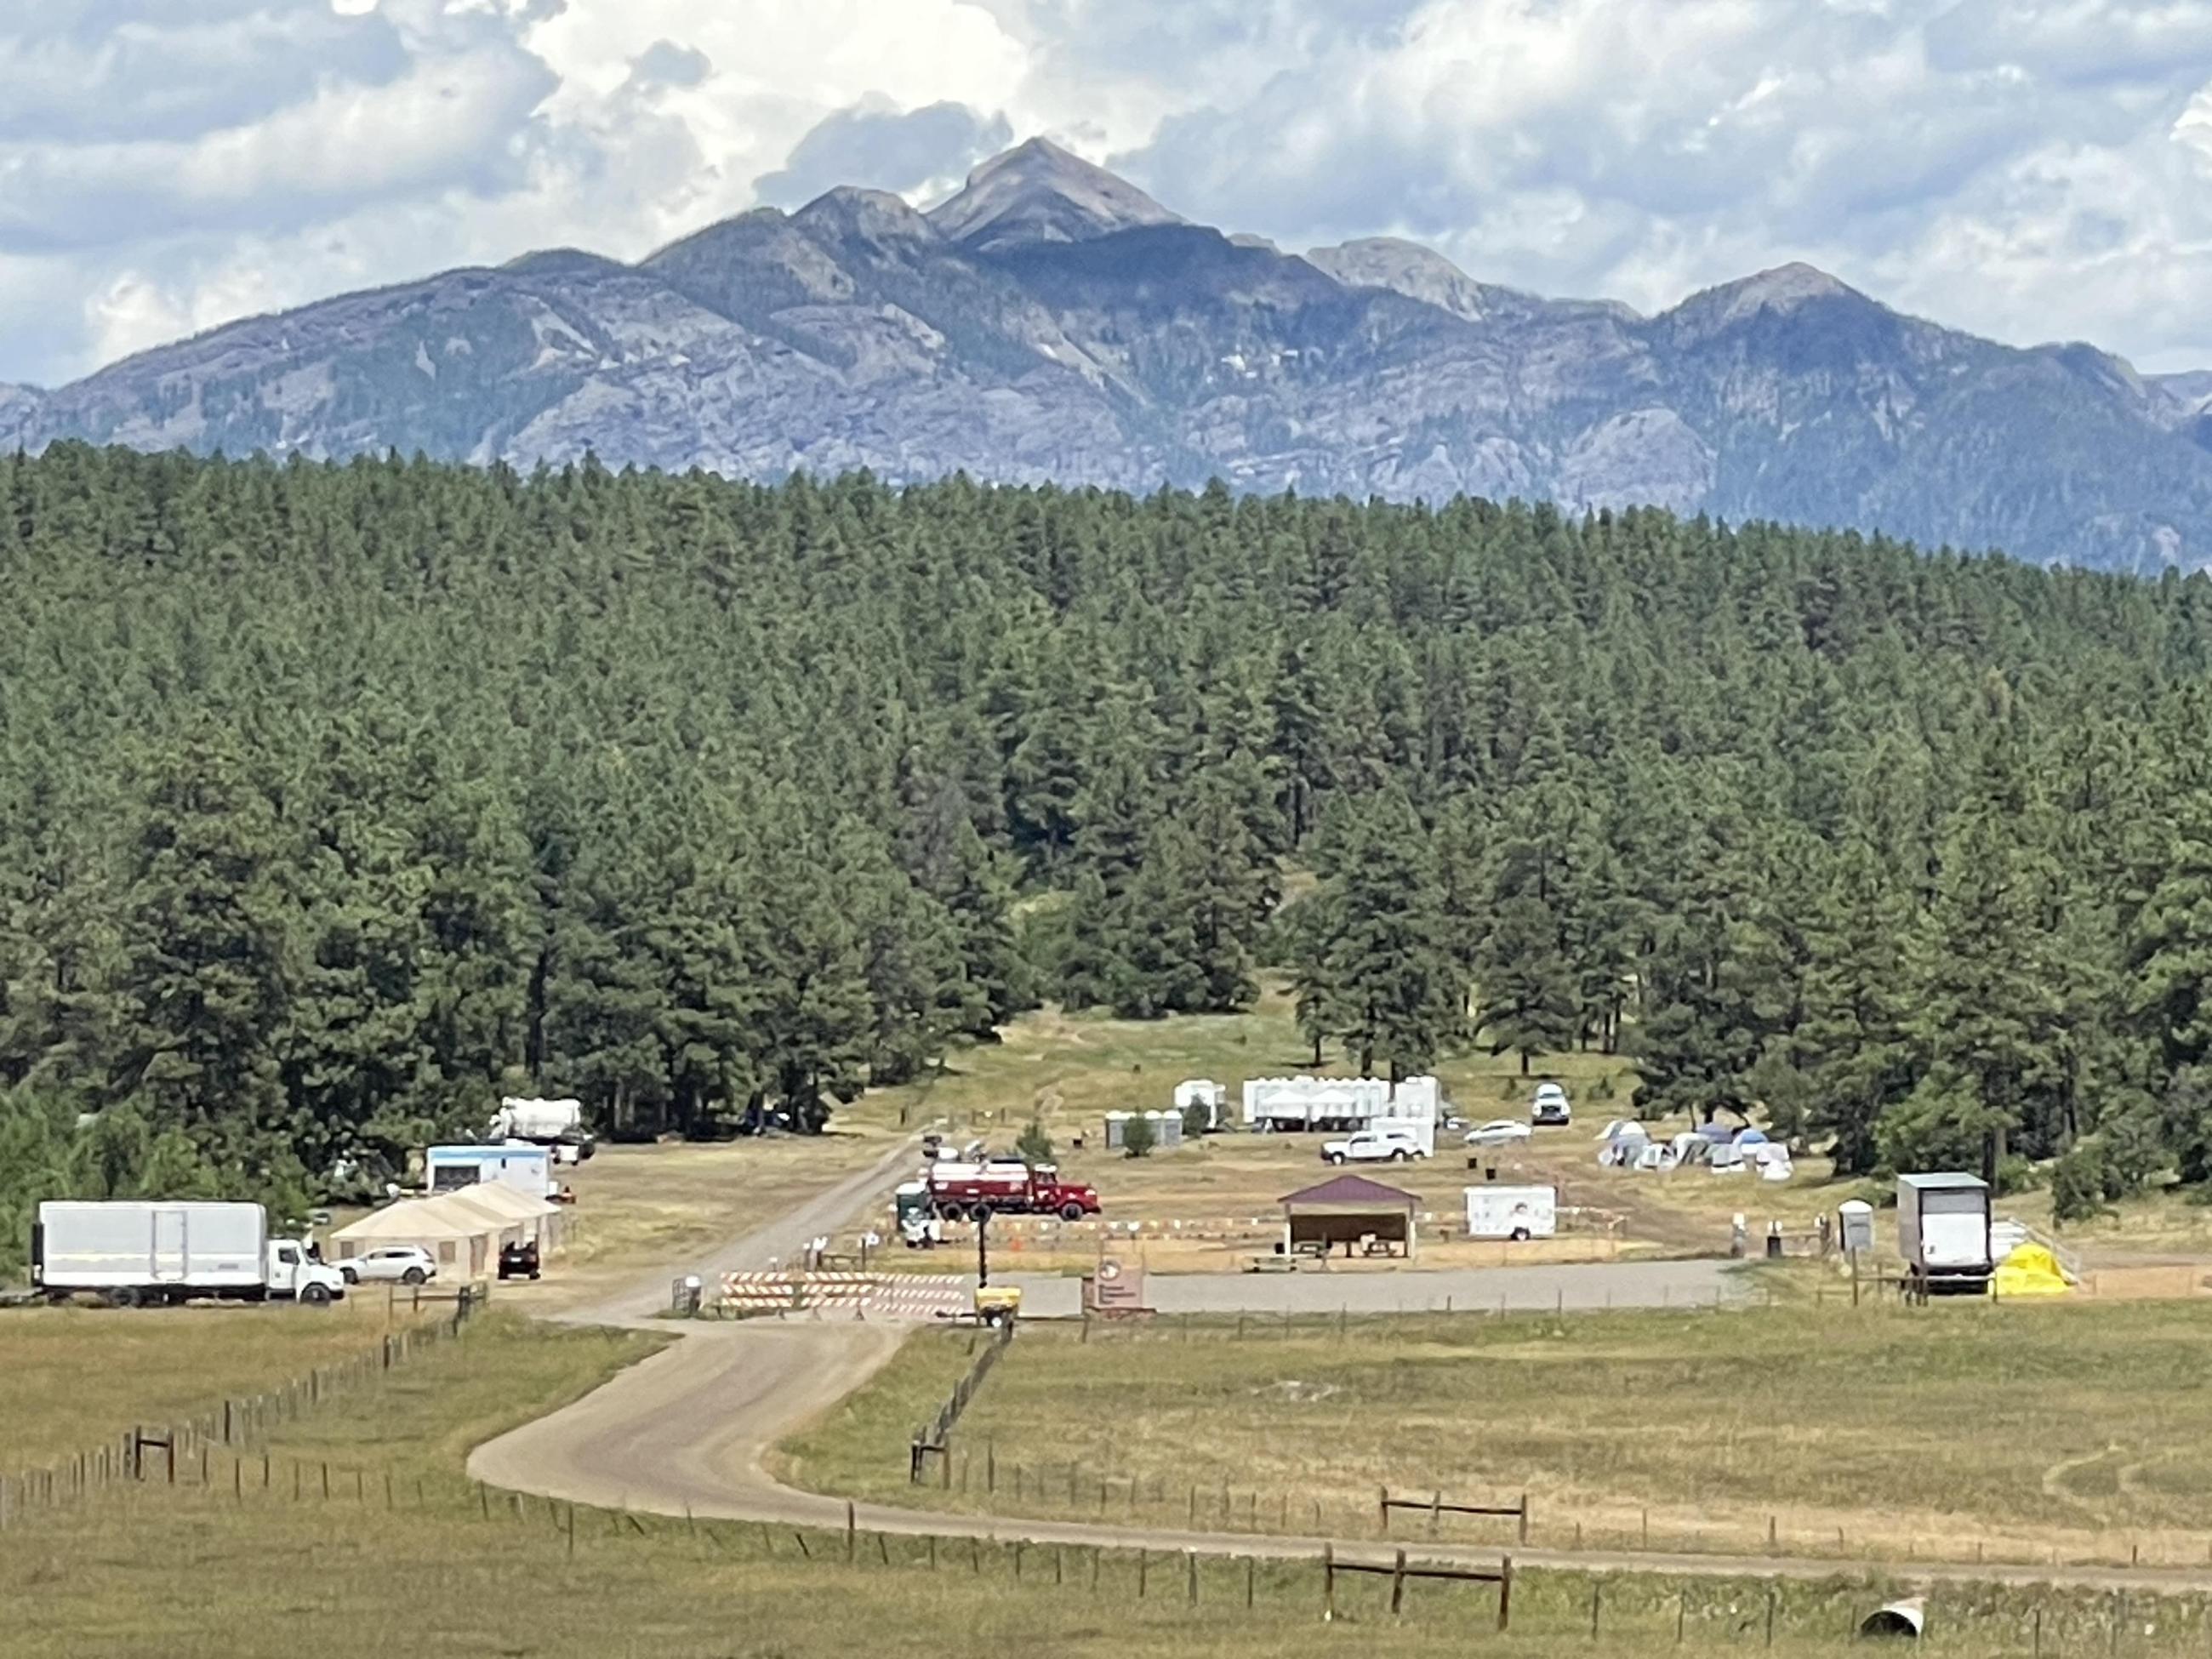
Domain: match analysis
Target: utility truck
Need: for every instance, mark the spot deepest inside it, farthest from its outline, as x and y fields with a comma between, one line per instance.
x=558, y=1124
x=135, y=1253
x=1943, y=1232
x=964, y=1192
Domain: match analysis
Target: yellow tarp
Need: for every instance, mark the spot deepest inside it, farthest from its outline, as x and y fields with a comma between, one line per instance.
x=2030, y=1270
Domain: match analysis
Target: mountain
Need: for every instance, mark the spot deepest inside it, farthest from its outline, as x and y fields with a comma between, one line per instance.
x=1050, y=322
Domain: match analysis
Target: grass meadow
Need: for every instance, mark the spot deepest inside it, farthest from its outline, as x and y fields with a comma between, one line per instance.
x=363, y=1536
x=2080, y=1431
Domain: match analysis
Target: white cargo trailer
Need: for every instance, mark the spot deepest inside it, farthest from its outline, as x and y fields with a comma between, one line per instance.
x=528, y=1169
x=556, y=1123
x=139, y=1251
x=1943, y=1231
x=1494, y=1212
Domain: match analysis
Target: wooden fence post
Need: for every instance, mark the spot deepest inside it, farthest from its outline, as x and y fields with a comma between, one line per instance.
x=1328, y=1583
x=1398, y=1585
x=1505, y=1593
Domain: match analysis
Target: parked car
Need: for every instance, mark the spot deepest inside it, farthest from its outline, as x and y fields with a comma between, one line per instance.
x=401, y=1264
x=1498, y=1131
x=1372, y=1146
x=1550, y=1106
x=518, y=1261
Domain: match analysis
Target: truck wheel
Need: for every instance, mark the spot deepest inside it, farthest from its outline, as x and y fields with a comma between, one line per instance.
x=950, y=1213
x=123, y=1296
x=1336, y=1157
x=316, y=1296
x=1071, y=1213
x=412, y=1276
x=349, y=1275
x=979, y=1214
x=1520, y=1235
x=1398, y=1156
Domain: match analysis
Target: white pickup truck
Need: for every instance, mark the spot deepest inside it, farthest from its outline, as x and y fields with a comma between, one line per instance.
x=1373, y=1146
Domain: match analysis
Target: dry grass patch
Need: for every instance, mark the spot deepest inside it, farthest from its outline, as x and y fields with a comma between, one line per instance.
x=72, y=1376
x=2021, y=1430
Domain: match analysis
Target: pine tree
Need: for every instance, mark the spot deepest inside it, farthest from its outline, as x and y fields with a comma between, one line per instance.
x=1395, y=991
x=210, y=964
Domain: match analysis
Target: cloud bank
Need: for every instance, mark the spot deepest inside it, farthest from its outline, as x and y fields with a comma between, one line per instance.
x=2032, y=169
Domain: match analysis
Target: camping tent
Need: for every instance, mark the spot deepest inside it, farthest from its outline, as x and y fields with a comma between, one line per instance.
x=2030, y=1270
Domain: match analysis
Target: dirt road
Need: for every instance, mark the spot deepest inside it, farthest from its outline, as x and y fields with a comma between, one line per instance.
x=1568, y=1286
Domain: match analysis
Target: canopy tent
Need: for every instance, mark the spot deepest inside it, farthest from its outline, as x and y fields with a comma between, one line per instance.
x=1353, y=1212
x=463, y=1240
x=518, y=1215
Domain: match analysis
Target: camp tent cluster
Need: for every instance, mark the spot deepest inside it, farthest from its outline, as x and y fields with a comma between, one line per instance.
x=463, y=1230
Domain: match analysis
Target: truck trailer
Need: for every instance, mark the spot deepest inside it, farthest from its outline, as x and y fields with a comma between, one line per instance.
x=966, y=1192
x=527, y=1169
x=1943, y=1232
x=139, y=1252
x=1512, y=1213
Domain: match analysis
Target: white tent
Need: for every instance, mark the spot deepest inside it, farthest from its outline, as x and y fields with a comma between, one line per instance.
x=462, y=1239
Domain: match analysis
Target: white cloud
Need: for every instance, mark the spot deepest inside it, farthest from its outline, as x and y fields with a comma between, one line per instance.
x=2034, y=168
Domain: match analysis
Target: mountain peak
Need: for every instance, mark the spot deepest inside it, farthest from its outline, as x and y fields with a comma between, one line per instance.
x=1406, y=268
x=874, y=213
x=1039, y=193
x=1781, y=290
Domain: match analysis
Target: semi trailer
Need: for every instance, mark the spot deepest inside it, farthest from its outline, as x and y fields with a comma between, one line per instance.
x=134, y=1253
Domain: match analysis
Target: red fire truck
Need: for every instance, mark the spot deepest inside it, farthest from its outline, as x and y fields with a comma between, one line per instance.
x=975, y=1192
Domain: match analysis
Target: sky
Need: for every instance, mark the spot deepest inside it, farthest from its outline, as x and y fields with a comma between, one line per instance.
x=2029, y=169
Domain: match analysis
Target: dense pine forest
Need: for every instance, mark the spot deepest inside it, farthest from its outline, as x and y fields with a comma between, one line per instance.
x=341, y=800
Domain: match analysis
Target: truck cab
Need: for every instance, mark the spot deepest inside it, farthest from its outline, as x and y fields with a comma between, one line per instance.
x=295, y=1271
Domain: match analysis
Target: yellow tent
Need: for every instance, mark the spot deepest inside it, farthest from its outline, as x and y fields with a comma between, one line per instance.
x=2030, y=1270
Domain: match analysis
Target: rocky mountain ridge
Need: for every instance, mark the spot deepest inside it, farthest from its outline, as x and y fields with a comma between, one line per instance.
x=1050, y=322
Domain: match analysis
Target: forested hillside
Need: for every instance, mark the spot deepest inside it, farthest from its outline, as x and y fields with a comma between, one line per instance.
x=342, y=798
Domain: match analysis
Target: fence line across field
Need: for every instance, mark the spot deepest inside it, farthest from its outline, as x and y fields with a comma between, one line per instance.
x=239, y=1420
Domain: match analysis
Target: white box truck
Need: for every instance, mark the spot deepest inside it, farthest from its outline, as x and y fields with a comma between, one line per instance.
x=1515, y=1212
x=1943, y=1231
x=134, y=1252
x=524, y=1168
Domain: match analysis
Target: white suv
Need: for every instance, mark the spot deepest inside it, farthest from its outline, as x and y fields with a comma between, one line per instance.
x=404, y=1264
x=1372, y=1146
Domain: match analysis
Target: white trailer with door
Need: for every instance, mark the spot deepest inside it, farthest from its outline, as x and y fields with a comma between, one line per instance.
x=1943, y=1231
x=1512, y=1213
x=528, y=1169
x=137, y=1251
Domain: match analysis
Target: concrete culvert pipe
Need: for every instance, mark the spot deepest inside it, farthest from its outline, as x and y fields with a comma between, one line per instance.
x=1899, y=1619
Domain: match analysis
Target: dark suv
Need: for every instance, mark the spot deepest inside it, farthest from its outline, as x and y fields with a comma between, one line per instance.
x=518, y=1261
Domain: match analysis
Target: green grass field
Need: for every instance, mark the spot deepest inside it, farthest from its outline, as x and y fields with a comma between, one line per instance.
x=2019, y=1429
x=404, y=1553
x=71, y=1376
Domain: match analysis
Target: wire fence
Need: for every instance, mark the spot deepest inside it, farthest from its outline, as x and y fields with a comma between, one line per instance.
x=159, y=1452
x=1355, y=1583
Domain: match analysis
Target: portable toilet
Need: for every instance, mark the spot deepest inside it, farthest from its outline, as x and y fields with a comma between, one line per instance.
x=1855, y=1216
